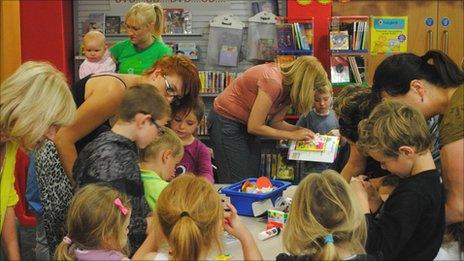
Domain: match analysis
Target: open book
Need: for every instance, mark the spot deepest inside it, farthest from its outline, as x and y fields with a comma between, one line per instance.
x=324, y=151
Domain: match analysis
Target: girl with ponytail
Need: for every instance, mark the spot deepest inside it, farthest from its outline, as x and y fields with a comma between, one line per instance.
x=325, y=221
x=191, y=217
x=144, y=24
x=433, y=84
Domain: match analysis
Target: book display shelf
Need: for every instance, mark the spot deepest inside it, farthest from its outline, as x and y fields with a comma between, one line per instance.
x=348, y=39
x=294, y=38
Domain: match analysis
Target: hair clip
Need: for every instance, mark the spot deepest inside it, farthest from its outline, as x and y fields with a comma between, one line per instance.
x=121, y=207
x=67, y=240
x=184, y=214
x=328, y=239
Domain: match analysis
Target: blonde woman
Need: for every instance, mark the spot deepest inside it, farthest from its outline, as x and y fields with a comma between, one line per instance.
x=255, y=105
x=35, y=102
x=325, y=221
x=144, y=25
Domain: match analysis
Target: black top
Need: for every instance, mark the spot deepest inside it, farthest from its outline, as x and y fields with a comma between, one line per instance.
x=287, y=257
x=411, y=223
x=78, y=92
x=112, y=158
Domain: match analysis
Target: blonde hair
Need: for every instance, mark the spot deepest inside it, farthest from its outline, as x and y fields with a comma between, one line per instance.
x=94, y=35
x=302, y=76
x=190, y=214
x=92, y=219
x=389, y=127
x=34, y=98
x=146, y=14
x=168, y=139
x=324, y=204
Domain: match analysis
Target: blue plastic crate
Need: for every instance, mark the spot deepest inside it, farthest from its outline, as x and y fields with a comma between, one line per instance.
x=242, y=201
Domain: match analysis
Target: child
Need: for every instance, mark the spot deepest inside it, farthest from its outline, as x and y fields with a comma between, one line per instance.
x=191, y=217
x=113, y=156
x=197, y=157
x=411, y=223
x=97, y=225
x=158, y=162
x=325, y=221
x=97, y=57
x=322, y=120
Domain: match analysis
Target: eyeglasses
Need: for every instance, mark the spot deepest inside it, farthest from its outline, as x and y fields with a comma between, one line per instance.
x=158, y=127
x=170, y=90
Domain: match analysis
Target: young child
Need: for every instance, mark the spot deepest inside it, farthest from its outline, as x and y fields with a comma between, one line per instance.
x=197, y=157
x=97, y=57
x=113, y=156
x=191, y=217
x=322, y=120
x=158, y=163
x=97, y=225
x=411, y=223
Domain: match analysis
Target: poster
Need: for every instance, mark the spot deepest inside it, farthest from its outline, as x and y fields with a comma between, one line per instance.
x=389, y=34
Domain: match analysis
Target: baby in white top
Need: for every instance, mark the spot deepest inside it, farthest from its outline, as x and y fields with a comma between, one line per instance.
x=97, y=57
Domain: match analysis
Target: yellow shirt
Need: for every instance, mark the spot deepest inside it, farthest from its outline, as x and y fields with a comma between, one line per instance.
x=8, y=196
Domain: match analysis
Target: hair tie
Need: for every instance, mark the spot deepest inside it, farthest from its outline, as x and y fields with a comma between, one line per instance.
x=184, y=214
x=120, y=206
x=328, y=239
x=67, y=240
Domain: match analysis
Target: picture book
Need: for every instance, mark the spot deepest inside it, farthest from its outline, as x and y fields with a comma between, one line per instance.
x=188, y=49
x=285, y=37
x=339, y=40
x=306, y=34
x=95, y=21
x=339, y=69
x=112, y=25
x=228, y=56
x=317, y=144
x=328, y=154
x=265, y=50
x=174, y=20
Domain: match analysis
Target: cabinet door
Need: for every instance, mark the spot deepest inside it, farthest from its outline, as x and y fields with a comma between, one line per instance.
x=421, y=37
x=450, y=38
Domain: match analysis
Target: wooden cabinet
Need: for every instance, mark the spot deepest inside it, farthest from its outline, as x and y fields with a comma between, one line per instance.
x=421, y=36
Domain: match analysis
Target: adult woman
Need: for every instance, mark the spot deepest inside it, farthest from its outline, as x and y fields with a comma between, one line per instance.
x=254, y=105
x=98, y=97
x=35, y=102
x=433, y=88
x=144, y=25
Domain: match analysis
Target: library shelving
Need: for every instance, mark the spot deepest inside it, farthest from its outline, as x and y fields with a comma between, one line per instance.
x=294, y=38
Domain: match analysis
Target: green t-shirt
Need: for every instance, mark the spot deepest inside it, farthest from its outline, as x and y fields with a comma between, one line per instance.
x=452, y=124
x=132, y=61
x=153, y=184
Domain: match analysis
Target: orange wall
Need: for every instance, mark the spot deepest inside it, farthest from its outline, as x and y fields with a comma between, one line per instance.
x=47, y=32
x=10, y=38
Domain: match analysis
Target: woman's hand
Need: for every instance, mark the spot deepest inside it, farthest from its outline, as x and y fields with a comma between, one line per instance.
x=303, y=134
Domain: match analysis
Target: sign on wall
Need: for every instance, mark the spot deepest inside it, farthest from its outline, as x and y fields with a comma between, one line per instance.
x=389, y=34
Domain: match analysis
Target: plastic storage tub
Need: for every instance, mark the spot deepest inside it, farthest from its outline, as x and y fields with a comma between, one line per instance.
x=242, y=201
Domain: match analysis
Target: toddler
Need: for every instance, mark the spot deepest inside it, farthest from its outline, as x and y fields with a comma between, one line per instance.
x=191, y=217
x=97, y=57
x=158, y=162
x=97, y=225
x=197, y=157
x=411, y=222
x=325, y=221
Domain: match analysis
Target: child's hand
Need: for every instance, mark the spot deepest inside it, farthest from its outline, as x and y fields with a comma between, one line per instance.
x=233, y=225
x=360, y=191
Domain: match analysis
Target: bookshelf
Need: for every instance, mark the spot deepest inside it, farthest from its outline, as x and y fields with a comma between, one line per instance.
x=348, y=40
x=294, y=38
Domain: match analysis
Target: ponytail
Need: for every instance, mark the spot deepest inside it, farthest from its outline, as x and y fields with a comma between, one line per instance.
x=328, y=251
x=448, y=72
x=158, y=26
x=186, y=239
x=62, y=252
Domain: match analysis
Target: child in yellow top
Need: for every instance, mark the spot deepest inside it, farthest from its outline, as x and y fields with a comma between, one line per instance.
x=158, y=162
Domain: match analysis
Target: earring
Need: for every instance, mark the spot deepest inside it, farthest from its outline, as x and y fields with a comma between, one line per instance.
x=422, y=99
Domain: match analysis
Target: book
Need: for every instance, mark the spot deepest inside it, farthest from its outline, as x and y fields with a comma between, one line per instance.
x=339, y=40
x=354, y=69
x=265, y=50
x=188, y=49
x=95, y=21
x=228, y=56
x=112, y=25
x=306, y=31
x=339, y=69
x=327, y=155
x=317, y=144
x=360, y=63
x=285, y=39
x=174, y=20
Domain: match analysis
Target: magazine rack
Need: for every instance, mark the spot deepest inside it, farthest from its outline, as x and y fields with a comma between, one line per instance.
x=225, y=40
x=262, y=41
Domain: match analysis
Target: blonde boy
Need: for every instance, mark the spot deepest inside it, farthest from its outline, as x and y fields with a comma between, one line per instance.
x=97, y=57
x=158, y=163
x=410, y=224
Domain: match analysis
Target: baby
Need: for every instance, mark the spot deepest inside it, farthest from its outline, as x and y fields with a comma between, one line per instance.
x=97, y=58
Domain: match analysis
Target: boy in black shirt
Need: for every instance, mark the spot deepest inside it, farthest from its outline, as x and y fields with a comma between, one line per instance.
x=411, y=223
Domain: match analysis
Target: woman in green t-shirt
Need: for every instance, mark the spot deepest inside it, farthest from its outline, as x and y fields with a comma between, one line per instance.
x=433, y=84
x=144, y=26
